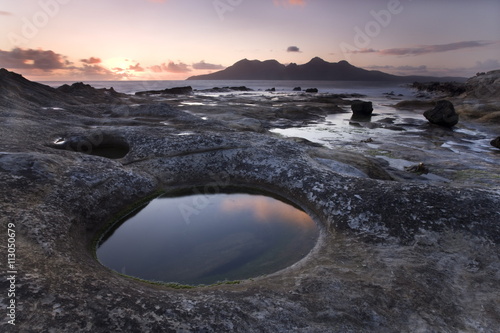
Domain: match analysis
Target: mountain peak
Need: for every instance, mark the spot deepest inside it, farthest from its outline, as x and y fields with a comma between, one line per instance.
x=315, y=69
x=317, y=60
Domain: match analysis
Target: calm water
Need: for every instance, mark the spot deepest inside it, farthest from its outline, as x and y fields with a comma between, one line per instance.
x=337, y=87
x=203, y=239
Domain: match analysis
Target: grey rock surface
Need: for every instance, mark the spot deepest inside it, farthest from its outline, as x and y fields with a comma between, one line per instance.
x=393, y=256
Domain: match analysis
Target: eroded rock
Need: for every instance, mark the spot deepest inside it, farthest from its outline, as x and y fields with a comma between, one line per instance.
x=386, y=247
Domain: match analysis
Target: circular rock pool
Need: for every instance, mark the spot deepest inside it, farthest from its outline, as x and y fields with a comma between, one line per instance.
x=205, y=239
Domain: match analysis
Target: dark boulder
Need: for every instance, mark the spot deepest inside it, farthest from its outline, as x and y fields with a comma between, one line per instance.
x=362, y=108
x=496, y=142
x=297, y=89
x=312, y=90
x=171, y=91
x=271, y=89
x=240, y=88
x=443, y=114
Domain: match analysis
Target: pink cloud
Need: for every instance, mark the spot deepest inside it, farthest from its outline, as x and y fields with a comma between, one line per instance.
x=91, y=61
x=287, y=3
x=136, y=68
x=171, y=67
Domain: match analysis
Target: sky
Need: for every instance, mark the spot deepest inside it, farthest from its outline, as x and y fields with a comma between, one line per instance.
x=89, y=40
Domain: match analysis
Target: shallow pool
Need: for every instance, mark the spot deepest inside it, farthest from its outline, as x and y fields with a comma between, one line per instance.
x=204, y=239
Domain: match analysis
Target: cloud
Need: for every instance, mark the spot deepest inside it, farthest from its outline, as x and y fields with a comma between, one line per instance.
x=4, y=13
x=400, y=68
x=177, y=68
x=365, y=50
x=33, y=59
x=171, y=68
x=91, y=60
x=157, y=1
x=288, y=3
x=292, y=49
x=487, y=65
x=425, y=49
x=48, y=63
x=136, y=68
x=203, y=65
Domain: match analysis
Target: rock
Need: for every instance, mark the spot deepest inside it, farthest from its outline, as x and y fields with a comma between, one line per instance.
x=361, y=108
x=373, y=268
x=412, y=104
x=420, y=168
x=89, y=93
x=300, y=113
x=496, y=142
x=172, y=91
x=312, y=90
x=247, y=124
x=297, y=89
x=449, y=88
x=443, y=114
x=484, y=86
x=240, y=88
x=271, y=89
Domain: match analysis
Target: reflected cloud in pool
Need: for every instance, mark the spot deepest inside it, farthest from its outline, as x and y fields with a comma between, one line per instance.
x=230, y=237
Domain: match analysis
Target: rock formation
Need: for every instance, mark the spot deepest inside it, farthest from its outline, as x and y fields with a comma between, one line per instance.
x=393, y=256
x=442, y=114
x=361, y=108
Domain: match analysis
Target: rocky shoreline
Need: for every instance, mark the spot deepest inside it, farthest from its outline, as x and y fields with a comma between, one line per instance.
x=394, y=255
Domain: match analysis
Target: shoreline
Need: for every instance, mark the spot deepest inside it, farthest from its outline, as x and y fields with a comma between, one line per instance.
x=390, y=243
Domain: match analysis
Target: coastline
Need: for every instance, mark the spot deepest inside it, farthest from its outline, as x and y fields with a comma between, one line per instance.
x=392, y=241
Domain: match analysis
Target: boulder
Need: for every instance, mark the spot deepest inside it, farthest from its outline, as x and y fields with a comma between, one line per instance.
x=496, y=142
x=312, y=90
x=361, y=108
x=297, y=89
x=172, y=91
x=443, y=114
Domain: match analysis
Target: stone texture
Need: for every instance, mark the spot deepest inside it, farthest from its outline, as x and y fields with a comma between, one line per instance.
x=392, y=256
x=442, y=114
x=361, y=108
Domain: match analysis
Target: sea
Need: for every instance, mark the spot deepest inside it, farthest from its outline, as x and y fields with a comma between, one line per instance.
x=336, y=87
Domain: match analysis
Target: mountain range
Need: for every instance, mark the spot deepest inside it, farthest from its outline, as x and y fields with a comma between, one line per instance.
x=317, y=69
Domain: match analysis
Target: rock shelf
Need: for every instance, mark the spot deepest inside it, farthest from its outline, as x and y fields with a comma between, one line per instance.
x=393, y=256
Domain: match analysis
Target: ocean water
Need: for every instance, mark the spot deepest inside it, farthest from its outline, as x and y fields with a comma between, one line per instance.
x=336, y=87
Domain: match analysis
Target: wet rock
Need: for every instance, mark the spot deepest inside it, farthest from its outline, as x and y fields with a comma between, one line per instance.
x=411, y=104
x=420, y=169
x=362, y=108
x=496, y=142
x=311, y=90
x=247, y=124
x=300, y=113
x=443, y=114
x=297, y=89
x=271, y=89
x=169, y=91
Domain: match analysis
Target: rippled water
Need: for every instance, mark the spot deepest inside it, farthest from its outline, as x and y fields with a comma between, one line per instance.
x=203, y=239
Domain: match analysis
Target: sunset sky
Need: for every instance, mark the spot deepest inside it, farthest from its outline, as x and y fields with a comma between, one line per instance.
x=69, y=40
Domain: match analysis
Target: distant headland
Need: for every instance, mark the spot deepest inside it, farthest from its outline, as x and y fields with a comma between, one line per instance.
x=316, y=69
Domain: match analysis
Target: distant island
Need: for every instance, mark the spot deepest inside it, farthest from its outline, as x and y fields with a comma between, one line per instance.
x=317, y=69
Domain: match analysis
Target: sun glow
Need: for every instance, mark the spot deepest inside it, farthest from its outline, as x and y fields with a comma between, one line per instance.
x=119, y=65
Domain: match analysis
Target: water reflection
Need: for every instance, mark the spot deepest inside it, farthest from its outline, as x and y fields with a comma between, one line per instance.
x=202, y=239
